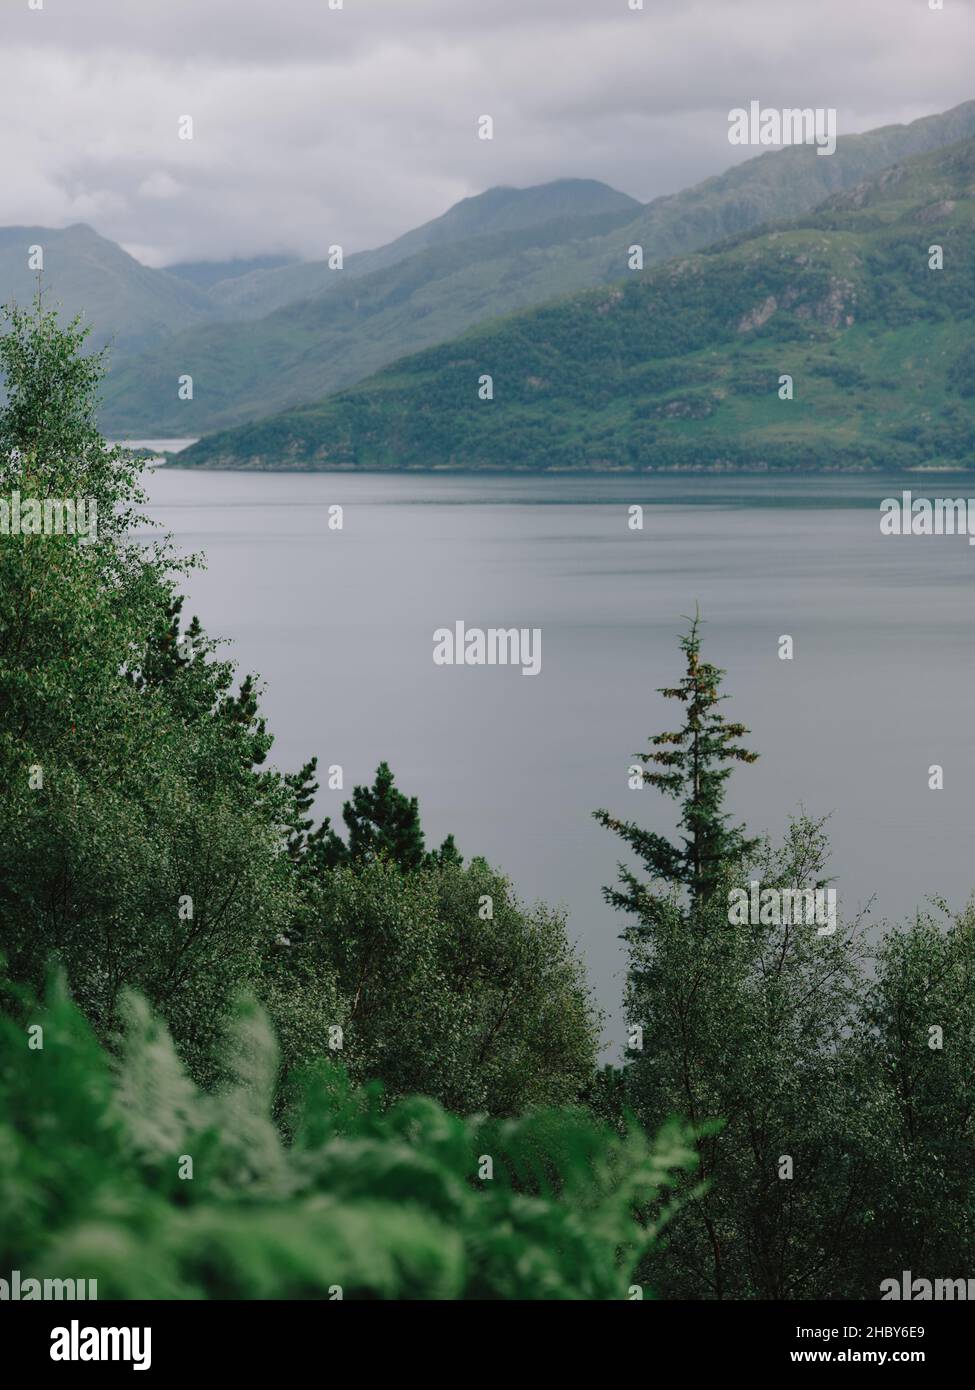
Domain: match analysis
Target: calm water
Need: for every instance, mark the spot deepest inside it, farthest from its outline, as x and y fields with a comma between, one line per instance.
x=340, y=626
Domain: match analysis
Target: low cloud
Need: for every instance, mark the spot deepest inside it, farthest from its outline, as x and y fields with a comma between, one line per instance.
x=314, y=126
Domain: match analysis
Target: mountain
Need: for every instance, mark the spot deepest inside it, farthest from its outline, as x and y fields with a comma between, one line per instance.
x=787, y=182
x=505, y=210
x=133, y=306
x=128, y=304
x=682, y=367
x=207, y=275
x=414, y=298
x=498, y=211
x=245, y=370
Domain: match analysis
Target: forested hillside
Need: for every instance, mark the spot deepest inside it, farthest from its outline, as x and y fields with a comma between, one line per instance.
x=841, y=339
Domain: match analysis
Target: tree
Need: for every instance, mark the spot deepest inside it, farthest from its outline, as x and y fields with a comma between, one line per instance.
x=744, y=1030
x=312, y=849
x=138, y=845
x=916, y=1032
x=750, y=1029
x=454, y=988
x=382, y=821
x=692, y=766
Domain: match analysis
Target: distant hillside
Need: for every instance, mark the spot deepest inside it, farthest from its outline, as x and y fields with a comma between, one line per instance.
x=787, y=183
x=681, y=367
x=206, y=275
x=372, y=316
x=243, y=371
x=499, y=211
x=128, y=304
x=133, y=306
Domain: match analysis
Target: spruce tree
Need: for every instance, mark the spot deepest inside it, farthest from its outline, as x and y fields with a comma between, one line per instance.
x=691, y=765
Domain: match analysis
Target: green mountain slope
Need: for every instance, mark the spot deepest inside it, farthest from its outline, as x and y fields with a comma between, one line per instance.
x=497, y=211
x=244, y=371
x=306, y=350
x=128, y=304
x=346, y=325
x=788, y=183
x=208, y=275
x=681, y=367
x=134, y=306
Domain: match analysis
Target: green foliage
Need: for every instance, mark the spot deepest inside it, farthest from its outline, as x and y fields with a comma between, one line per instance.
x=142, y=849
x=482, y=1012
x=749, y=1024
x=916, y=1031
x=740, y=1029
x=95, y=859
x=377, y=1201
x=834, y=1131
x=160, y=850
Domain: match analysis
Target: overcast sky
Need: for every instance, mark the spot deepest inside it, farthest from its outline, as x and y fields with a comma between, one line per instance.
x=315, y=126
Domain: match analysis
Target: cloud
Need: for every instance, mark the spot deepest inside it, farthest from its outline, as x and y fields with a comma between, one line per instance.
x=314, y=125
x=160, y=185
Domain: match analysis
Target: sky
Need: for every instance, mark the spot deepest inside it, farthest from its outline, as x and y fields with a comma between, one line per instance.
x=314, y=126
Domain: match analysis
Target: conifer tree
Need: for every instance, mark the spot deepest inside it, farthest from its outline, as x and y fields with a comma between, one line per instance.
x=313, y=850
x=741, y=1029
x=382, y=821
x=165, y=654
x=691, y=765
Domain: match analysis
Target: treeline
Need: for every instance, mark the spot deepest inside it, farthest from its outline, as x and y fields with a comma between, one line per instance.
x=179, y=889
x=148, y=844
x=248, y=1055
